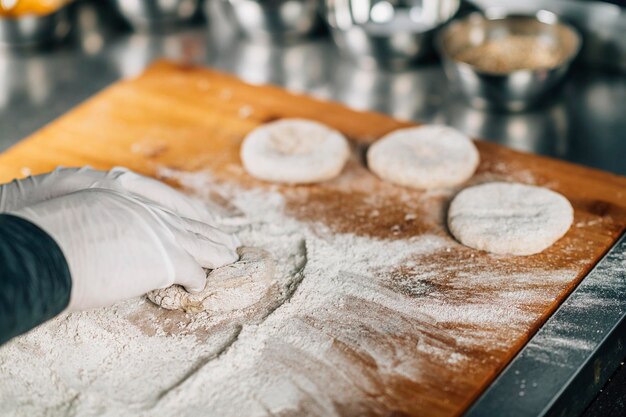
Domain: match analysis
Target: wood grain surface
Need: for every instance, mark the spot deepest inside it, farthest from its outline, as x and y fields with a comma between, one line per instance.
x=194, y=119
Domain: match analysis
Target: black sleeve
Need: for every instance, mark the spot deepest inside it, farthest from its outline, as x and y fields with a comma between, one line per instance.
x=35, y=280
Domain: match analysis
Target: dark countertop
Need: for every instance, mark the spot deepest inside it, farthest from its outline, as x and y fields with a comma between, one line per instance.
x=612, y=399
x=585, y=122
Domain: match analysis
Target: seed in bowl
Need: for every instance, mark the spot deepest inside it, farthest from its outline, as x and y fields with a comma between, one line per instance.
x=511, y=53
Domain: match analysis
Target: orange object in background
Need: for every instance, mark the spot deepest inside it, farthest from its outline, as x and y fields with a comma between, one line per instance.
x=16, y=8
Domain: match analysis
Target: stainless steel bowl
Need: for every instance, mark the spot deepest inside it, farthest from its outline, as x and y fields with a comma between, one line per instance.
x=276, y=20
x=602, y=26
x=515, y=90
x=157, y=14
x=33, y=30
x=387, y=33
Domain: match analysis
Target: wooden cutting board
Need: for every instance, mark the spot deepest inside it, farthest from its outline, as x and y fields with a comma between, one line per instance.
x=193, y=119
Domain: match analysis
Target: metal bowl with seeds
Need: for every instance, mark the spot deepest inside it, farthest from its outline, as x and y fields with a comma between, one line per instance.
x=507, y=62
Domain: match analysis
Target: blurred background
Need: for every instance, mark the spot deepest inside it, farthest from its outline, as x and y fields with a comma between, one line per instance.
x=545, y=76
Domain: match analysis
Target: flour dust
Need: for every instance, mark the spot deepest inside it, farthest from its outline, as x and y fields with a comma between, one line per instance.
x=358, y=323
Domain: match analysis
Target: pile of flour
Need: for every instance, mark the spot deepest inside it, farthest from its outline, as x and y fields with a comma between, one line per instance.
x=358, y=318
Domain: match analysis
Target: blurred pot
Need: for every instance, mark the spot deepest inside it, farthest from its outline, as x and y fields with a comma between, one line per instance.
x=156, y=14
x=387, y=33
x=515, y=89
x=35, y=30
x=276, y=20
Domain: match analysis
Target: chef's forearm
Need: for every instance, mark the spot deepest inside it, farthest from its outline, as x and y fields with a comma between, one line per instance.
x=35, y=280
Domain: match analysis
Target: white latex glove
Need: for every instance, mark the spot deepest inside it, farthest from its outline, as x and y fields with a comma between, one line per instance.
x=120, y=246
x=61, y=181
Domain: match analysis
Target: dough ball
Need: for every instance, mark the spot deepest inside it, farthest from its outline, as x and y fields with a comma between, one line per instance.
x=233, y=287
x=509, y=218
x=294, y=151
x=424, y=157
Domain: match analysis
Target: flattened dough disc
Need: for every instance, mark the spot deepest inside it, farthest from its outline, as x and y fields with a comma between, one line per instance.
x=233, y=287
x=294, y=151
x=509, y=218
x=424, y=157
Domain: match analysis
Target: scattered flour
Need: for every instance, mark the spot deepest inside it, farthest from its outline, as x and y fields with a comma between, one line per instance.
x=362, y=320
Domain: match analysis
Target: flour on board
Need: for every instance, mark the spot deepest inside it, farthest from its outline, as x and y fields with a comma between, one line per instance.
x=363, y=318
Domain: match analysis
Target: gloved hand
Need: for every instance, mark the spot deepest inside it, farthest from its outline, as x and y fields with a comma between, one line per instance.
x=119, y=245
x=61, y=181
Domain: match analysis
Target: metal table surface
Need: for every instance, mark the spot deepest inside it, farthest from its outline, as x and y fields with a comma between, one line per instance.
x=585, y=122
